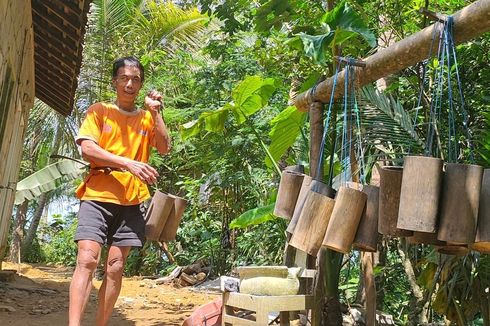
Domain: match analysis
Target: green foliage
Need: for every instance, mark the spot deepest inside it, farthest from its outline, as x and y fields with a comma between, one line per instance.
x=385, y=122
x=317, y=46
x=58, y=242
x=272, y=13
x=285, y=128
x=347, y=23
x=34, y=253
x=202, y=68
x=336, y=27
x=268, y=251
x=254, y=216
x=249, y=96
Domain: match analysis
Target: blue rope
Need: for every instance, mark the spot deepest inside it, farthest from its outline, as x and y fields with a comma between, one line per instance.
x=327, y=122
x=343, y=154
x=447, y=60
x=424, y=72
x=460, y=88
x=346, y=137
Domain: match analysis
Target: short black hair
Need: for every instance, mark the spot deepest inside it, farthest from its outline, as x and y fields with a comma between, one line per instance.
x=127, y=61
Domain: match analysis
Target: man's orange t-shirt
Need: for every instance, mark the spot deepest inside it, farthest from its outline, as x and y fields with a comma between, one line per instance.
x=127, y=134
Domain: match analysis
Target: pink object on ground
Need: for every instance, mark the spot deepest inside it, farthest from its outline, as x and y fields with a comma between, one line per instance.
x=208, y=314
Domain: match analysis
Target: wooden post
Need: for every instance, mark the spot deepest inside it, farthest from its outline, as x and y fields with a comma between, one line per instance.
x=316, y=134
x=367, y=262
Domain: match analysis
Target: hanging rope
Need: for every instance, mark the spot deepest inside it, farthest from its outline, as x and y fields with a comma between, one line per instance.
x=446, y=62
x=327, y=123
x=347, y=136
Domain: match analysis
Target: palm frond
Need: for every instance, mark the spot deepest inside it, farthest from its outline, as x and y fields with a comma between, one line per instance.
x=385, y=122
x=169, y=26
x=112, y=15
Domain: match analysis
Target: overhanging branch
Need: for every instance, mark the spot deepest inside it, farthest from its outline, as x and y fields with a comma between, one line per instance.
x=469, y=23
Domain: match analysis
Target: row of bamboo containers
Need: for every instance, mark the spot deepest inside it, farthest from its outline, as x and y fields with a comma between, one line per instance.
x=426, y=201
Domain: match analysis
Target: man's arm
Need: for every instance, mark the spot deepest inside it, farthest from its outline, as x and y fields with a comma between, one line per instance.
x=162, y=138
x=153, y=103
x=95, y=154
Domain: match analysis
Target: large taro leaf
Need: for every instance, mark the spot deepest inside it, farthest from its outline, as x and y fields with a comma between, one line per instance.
x=338, y=25
x=45, y=179
x=346, y=23
x=253, y=217
x=286, y=127
x=248, y=96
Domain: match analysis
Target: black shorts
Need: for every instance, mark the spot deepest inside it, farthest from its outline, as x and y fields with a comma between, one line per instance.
x=111, y=224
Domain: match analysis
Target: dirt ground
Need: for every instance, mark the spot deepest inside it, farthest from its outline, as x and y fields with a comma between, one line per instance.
x=39, y=296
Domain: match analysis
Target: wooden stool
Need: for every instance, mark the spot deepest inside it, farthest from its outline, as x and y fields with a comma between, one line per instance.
x=263, y=305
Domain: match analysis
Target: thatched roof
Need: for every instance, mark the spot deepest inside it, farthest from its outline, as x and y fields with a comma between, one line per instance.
x=59, y=28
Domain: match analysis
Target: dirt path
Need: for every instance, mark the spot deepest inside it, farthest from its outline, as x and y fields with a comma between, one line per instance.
x=39, y=296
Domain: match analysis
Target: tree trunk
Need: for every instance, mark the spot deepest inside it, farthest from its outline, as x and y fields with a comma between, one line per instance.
x=418, y=302
x=380, y=258
x=18, y=232
x=469, y=23
x=36, y=218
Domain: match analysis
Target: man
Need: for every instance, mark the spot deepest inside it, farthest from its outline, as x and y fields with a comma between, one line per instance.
x=116, y=139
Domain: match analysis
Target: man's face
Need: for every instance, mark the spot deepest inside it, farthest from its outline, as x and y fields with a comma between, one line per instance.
x=127, y=83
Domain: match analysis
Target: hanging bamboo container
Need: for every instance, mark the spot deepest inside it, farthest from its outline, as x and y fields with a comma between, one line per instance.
x=313, y=220
x=169, y=232
x=482, y=241
x=157, y=214
x=305, y=188
x=367, y=233
x=287, y=195
x=346, y=214
x=459, y=203
x=456, y=250
x=420, y=193
x=389, y=201
x=299, y=168
x=425, y=238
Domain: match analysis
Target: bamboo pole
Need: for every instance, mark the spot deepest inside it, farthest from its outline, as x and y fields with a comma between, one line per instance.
x=469, y=23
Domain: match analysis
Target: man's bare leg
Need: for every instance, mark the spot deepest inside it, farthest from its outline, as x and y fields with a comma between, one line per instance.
x=111, y=285
x=81, y=283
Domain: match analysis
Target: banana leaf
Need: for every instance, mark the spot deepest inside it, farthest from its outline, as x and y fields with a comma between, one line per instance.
x=46, y=179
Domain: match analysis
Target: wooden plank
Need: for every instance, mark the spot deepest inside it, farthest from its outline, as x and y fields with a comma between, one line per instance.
x=50, y=98
x=270, y=303
x=74, y=6
x=54, y=24
x=54, y=39
x=41, y=58
x=237, y=321
x=60, y=107
x=68, y=16
x=54, y=76
x=48, y=85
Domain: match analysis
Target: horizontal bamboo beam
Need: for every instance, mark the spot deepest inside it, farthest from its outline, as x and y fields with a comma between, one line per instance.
x=469, y=23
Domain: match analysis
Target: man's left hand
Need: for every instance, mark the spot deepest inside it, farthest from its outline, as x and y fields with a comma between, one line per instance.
x=153, y=101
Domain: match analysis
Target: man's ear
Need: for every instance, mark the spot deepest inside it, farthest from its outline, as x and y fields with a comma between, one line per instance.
x=113, y=83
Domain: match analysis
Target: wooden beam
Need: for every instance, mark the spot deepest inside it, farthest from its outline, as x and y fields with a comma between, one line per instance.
x=469, y=23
